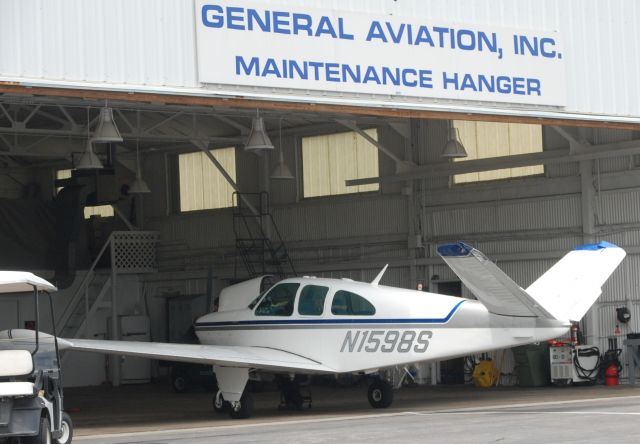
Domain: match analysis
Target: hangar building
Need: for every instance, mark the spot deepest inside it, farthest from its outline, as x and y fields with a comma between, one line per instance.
x=308, y=138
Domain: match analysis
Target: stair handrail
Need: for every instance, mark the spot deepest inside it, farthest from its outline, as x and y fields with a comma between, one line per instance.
x=80, y=292
x=282, y=244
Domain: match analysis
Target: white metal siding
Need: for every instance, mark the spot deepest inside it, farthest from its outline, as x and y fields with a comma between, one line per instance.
x=561, y=212
x=338, y=219
x=141, y=42
x=136, y=44
x=621, y=206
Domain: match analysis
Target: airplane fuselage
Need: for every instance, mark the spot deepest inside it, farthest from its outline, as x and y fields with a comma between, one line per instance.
x=407, y=326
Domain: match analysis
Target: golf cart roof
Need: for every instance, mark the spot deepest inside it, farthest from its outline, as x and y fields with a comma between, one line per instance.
x=21, y=281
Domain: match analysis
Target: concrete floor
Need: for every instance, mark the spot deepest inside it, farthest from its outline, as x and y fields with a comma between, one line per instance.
x=153, y=414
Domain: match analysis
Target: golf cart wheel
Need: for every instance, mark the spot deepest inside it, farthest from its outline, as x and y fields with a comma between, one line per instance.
x=67, y=430
x=180, y=384
x=380, y=394
x=245, y=408
x=43, y=436
x=220, y=405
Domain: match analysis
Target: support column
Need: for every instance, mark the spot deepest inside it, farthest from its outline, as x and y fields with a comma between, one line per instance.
x=265, y=186
x=114, y=360
x=415, y=237
x=587, y=195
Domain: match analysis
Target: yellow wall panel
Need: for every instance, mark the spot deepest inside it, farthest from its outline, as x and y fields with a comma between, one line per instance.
x=484, y=140
x=202, y=186
x=329, y=160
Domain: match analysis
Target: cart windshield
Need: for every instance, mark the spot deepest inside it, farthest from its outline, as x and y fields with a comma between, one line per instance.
x=21, y=339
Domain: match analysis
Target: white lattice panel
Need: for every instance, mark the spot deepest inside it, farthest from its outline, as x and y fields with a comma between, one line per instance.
x=134, y=251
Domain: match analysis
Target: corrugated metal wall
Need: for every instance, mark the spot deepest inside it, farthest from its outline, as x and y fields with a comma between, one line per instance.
x=353, y=236
x=141, y=42
x=506, y=216
x=356, y=216
x=151, y=43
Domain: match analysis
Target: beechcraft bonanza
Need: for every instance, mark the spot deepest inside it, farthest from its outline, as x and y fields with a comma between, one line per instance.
x=330, y=326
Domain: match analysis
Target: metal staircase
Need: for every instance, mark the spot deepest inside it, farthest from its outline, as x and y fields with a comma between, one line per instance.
x=129, y=252
x=259, y=244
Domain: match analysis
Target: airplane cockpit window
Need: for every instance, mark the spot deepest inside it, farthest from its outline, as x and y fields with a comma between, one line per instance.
x=265, y=285
x=312, y=300
x=255, y=301
x=279, y=301
x=347, y=303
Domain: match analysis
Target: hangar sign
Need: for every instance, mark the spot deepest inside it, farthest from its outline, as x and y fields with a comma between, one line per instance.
x=292, y=47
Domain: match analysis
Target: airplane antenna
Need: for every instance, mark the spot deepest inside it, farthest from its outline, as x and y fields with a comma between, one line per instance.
x=376, y=281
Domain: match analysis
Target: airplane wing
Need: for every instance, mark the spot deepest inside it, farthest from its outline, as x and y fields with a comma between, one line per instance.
x=497, y=291
x=225, y=356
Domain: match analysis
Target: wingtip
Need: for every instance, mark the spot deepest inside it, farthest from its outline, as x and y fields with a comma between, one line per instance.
x=598, y=246
x=457, y=249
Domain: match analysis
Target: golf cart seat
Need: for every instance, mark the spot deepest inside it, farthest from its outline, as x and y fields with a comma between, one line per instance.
x=15, y=364
x=17, y=389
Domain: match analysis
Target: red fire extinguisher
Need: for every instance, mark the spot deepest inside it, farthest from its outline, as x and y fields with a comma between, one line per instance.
x=611, y=375
x=574, y=333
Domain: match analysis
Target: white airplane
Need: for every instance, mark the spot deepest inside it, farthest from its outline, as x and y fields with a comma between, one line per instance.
x=334, y=326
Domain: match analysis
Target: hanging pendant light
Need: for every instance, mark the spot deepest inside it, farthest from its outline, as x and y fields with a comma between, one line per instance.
x=453, y=147
x=107, y=131
x=281, y=171
x=139, y=186
x=258, y=139
x=89, y=160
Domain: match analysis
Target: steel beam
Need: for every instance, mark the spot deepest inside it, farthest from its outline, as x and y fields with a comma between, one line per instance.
x=351, y=124
x=442, y=169
x=228, y=121
x=401, y=164
x=205, y=149
x=162, y=122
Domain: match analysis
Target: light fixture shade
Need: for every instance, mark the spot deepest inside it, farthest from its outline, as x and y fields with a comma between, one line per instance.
x=139, y=186
x=258, y=139
x=281, y=172
x=89, y=160
x=453, y=147
x=107, y=131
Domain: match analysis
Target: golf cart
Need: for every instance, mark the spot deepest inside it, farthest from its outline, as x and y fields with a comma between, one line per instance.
x=31, y=400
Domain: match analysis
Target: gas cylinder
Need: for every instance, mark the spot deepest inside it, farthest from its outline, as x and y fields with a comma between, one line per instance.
x=574, y=333
x=611, y=375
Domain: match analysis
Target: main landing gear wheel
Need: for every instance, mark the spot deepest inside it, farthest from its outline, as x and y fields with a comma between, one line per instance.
x=220, y=405
x=380, y=394
x=67, y=430
x=243, y=409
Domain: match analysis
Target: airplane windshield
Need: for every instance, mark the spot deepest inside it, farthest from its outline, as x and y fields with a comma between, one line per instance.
x=265, y=286
x=279, y=301
x=256, y=300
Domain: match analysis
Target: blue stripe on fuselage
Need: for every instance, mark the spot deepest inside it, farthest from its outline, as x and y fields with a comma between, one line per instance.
x=366, y=320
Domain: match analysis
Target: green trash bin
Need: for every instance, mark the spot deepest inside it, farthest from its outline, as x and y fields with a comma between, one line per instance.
x=532, y=364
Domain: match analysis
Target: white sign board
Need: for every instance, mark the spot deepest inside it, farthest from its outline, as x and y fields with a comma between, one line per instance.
x=294, y=47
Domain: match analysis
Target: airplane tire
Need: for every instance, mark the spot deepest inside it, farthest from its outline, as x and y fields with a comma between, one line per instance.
x=245, y=409
x=220, y=405
x=380, y=394
x=67, y=430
